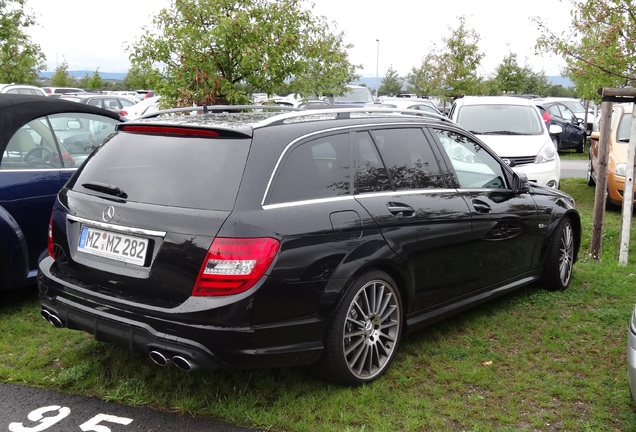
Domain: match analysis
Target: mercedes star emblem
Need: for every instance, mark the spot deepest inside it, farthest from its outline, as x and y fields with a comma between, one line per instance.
x=108, y=213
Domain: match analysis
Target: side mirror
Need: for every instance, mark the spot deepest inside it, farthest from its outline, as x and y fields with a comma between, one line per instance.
x=73, y=124
x=555, y=129
x=520, y=182
x=595, y=136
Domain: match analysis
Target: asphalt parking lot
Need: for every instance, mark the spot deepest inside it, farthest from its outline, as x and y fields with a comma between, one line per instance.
x=26, y=409
x=573, y=168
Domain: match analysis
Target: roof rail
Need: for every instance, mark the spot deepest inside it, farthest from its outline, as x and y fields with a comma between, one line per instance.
x=346, y=113
x=298, y=114
x=207, y=109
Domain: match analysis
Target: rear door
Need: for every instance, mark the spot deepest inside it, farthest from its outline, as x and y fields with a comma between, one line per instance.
x=424, y=220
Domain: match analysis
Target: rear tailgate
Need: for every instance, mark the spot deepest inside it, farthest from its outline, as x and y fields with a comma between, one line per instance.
x=137, y=219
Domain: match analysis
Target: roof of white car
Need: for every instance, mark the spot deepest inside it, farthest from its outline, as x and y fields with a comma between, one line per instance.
x=493, y=100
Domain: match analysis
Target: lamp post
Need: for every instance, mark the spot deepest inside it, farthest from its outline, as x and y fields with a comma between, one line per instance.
x=377, y=69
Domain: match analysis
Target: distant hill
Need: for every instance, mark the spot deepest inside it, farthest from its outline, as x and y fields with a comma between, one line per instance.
x=115, y=76
x=370, y=82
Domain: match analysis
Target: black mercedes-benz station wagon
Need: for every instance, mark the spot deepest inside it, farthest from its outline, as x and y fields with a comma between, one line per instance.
x=278, y=238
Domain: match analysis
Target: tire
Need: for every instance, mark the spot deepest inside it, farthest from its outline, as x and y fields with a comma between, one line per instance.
x=555, y=141
x=581, y=146
x=590, y=173
x=557, y=270
x=362, y=339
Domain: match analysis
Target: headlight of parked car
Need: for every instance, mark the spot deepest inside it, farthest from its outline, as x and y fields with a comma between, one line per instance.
x=621, y=169
x=547, y=153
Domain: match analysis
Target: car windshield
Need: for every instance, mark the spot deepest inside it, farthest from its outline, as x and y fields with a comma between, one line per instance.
x=501, y=119
x=360, y=95
x=575, y=106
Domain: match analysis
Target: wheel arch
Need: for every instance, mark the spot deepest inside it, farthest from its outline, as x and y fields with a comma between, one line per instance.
x=575, y=218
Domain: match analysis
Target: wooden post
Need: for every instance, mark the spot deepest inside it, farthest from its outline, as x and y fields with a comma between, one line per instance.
x=596, y=245
x=616, y=95
x=628, y=195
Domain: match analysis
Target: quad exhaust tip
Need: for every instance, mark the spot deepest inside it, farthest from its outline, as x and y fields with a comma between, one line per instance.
x=179, y=361
x=52, y=318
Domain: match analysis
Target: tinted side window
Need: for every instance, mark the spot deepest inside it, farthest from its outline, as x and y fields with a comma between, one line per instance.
x=409, y=158
x=312, y=170
x=371, y=175
x=474, y=166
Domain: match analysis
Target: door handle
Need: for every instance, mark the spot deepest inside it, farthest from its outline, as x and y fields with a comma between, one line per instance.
x=399, y=208
x=481, y=207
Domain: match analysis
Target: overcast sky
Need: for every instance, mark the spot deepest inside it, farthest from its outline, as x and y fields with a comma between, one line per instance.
x=91, y=35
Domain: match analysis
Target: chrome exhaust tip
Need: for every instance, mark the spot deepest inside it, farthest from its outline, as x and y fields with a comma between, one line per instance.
x=183, y=363
x=45, y=314
x=159, y=358
x=52, y=318
x=56, y=321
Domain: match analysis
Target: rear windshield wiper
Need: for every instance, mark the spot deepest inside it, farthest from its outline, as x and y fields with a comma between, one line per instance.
x=106, y=188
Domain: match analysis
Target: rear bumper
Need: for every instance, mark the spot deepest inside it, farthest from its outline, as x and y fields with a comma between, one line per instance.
x=172, y=334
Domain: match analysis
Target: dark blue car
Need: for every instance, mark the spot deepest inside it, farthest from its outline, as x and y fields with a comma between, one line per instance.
x=42, y=141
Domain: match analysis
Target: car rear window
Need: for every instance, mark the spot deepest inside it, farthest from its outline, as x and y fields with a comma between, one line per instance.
x=178, y=171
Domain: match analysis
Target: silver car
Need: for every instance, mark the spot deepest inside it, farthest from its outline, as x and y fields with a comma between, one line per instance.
x=631, y=355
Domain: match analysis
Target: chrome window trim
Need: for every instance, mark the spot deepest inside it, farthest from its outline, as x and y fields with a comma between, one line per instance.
x=361, y=196
x=120, y=228
x=307, y=202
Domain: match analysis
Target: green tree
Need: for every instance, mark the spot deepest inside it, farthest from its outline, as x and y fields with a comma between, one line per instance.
x=391, y=83
x=84, y=81
x=20, y=58
x=141, y=78
x=460, y=60
x=217, y=51
x=96, y=82
x=509, y=76
x=600, y=48
x=61, y=77
x=427, y=79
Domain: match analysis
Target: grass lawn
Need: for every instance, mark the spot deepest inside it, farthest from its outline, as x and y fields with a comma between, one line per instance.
x=531, y=361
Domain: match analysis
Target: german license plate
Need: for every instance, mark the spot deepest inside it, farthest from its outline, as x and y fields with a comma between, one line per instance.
x=119, y=247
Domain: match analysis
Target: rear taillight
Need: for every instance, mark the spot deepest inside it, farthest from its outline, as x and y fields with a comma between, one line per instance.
x=546, y=116
x=234, y=265
x=123, y=113
x=49, y=245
